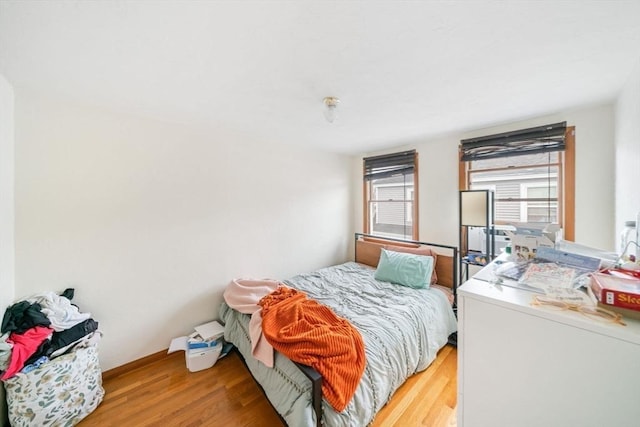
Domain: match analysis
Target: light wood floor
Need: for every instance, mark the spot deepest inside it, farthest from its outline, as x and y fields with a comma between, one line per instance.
x=165, y=393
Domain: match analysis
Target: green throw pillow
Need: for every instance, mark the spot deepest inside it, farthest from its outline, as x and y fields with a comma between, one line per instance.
x=404, y=269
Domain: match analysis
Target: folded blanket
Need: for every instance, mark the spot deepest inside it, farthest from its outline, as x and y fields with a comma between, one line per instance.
x=310, y=333
x=243, y=295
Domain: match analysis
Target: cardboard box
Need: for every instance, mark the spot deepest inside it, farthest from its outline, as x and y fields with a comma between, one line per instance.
x=527, y=238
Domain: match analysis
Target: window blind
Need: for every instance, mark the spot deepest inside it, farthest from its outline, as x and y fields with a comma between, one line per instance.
x=389, y=165
x=541, y=139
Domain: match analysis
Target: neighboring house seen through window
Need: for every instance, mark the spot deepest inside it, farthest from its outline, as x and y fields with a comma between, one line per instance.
x=524, y=187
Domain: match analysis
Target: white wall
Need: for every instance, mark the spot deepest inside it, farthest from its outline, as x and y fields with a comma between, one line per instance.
x=594, y=177
x=7, y=247
x=6, y=193
x=627, y=149
x=149, y=221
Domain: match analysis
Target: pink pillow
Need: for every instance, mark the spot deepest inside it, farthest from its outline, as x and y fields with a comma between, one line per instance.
x=446, y=291
x=424, y=251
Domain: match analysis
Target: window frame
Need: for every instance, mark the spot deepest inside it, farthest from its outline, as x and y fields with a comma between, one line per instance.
x=367, y=202
x=566, y=183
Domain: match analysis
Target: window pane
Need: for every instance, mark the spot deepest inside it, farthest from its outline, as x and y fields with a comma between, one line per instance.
x=528, y=159
x=537, y=212
x=391, y=207
x=512, y=187
x=392, y=188
x=526, y=211
x=543, y=191
x=391, y=219
x=532, y=174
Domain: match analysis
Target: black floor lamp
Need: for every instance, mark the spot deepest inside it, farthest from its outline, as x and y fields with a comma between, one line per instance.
x=476, y=210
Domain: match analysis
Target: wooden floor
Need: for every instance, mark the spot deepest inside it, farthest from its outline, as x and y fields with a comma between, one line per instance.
x=165, y=393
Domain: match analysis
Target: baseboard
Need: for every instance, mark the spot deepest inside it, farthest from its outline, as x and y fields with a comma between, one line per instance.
x=119, y=370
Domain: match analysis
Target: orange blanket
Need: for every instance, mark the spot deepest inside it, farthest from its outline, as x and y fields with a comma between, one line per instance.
x=310, y=333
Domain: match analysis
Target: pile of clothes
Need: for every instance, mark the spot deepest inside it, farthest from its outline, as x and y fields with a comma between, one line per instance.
x=40, y=328
x=49, y=361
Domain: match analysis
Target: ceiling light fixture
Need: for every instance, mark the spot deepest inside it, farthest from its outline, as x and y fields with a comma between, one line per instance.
x=330, y=107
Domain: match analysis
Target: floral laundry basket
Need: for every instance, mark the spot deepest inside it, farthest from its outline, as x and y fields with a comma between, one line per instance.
x=60, y=392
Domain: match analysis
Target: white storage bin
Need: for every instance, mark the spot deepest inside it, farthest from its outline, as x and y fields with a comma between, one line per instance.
x=199, y=359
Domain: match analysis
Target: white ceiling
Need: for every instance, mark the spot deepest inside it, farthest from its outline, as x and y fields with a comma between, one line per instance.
x=405, y=71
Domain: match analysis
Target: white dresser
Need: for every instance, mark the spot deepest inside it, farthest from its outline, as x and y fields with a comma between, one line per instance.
x=522, y=365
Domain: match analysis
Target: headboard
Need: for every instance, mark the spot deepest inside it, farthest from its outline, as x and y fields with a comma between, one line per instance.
x=367, y=248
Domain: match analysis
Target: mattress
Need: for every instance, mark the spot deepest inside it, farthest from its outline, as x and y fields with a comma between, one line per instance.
x=402, y=329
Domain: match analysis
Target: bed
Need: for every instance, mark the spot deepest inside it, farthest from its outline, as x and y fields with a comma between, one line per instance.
x=402, y=329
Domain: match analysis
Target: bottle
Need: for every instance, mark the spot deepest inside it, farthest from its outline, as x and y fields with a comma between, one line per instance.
x=628, y=235
x=637, y=237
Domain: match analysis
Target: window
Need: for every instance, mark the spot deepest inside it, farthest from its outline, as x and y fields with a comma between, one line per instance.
x=530, y=171
x=390, y=195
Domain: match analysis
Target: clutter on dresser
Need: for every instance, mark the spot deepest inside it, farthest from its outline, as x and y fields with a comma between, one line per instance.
x=550, y=271
x=203, y=347
x=628, y=236
x=558, y=272
x=606, y=286
x=617, y=287
x=528, y=237
x=617, y=290
x=49, y=361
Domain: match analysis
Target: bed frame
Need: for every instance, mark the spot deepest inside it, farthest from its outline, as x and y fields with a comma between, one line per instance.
x=367, y=251
x=368, y=248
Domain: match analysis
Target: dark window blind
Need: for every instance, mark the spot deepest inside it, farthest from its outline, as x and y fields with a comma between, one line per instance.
x=389, y=165
x=541, y=139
